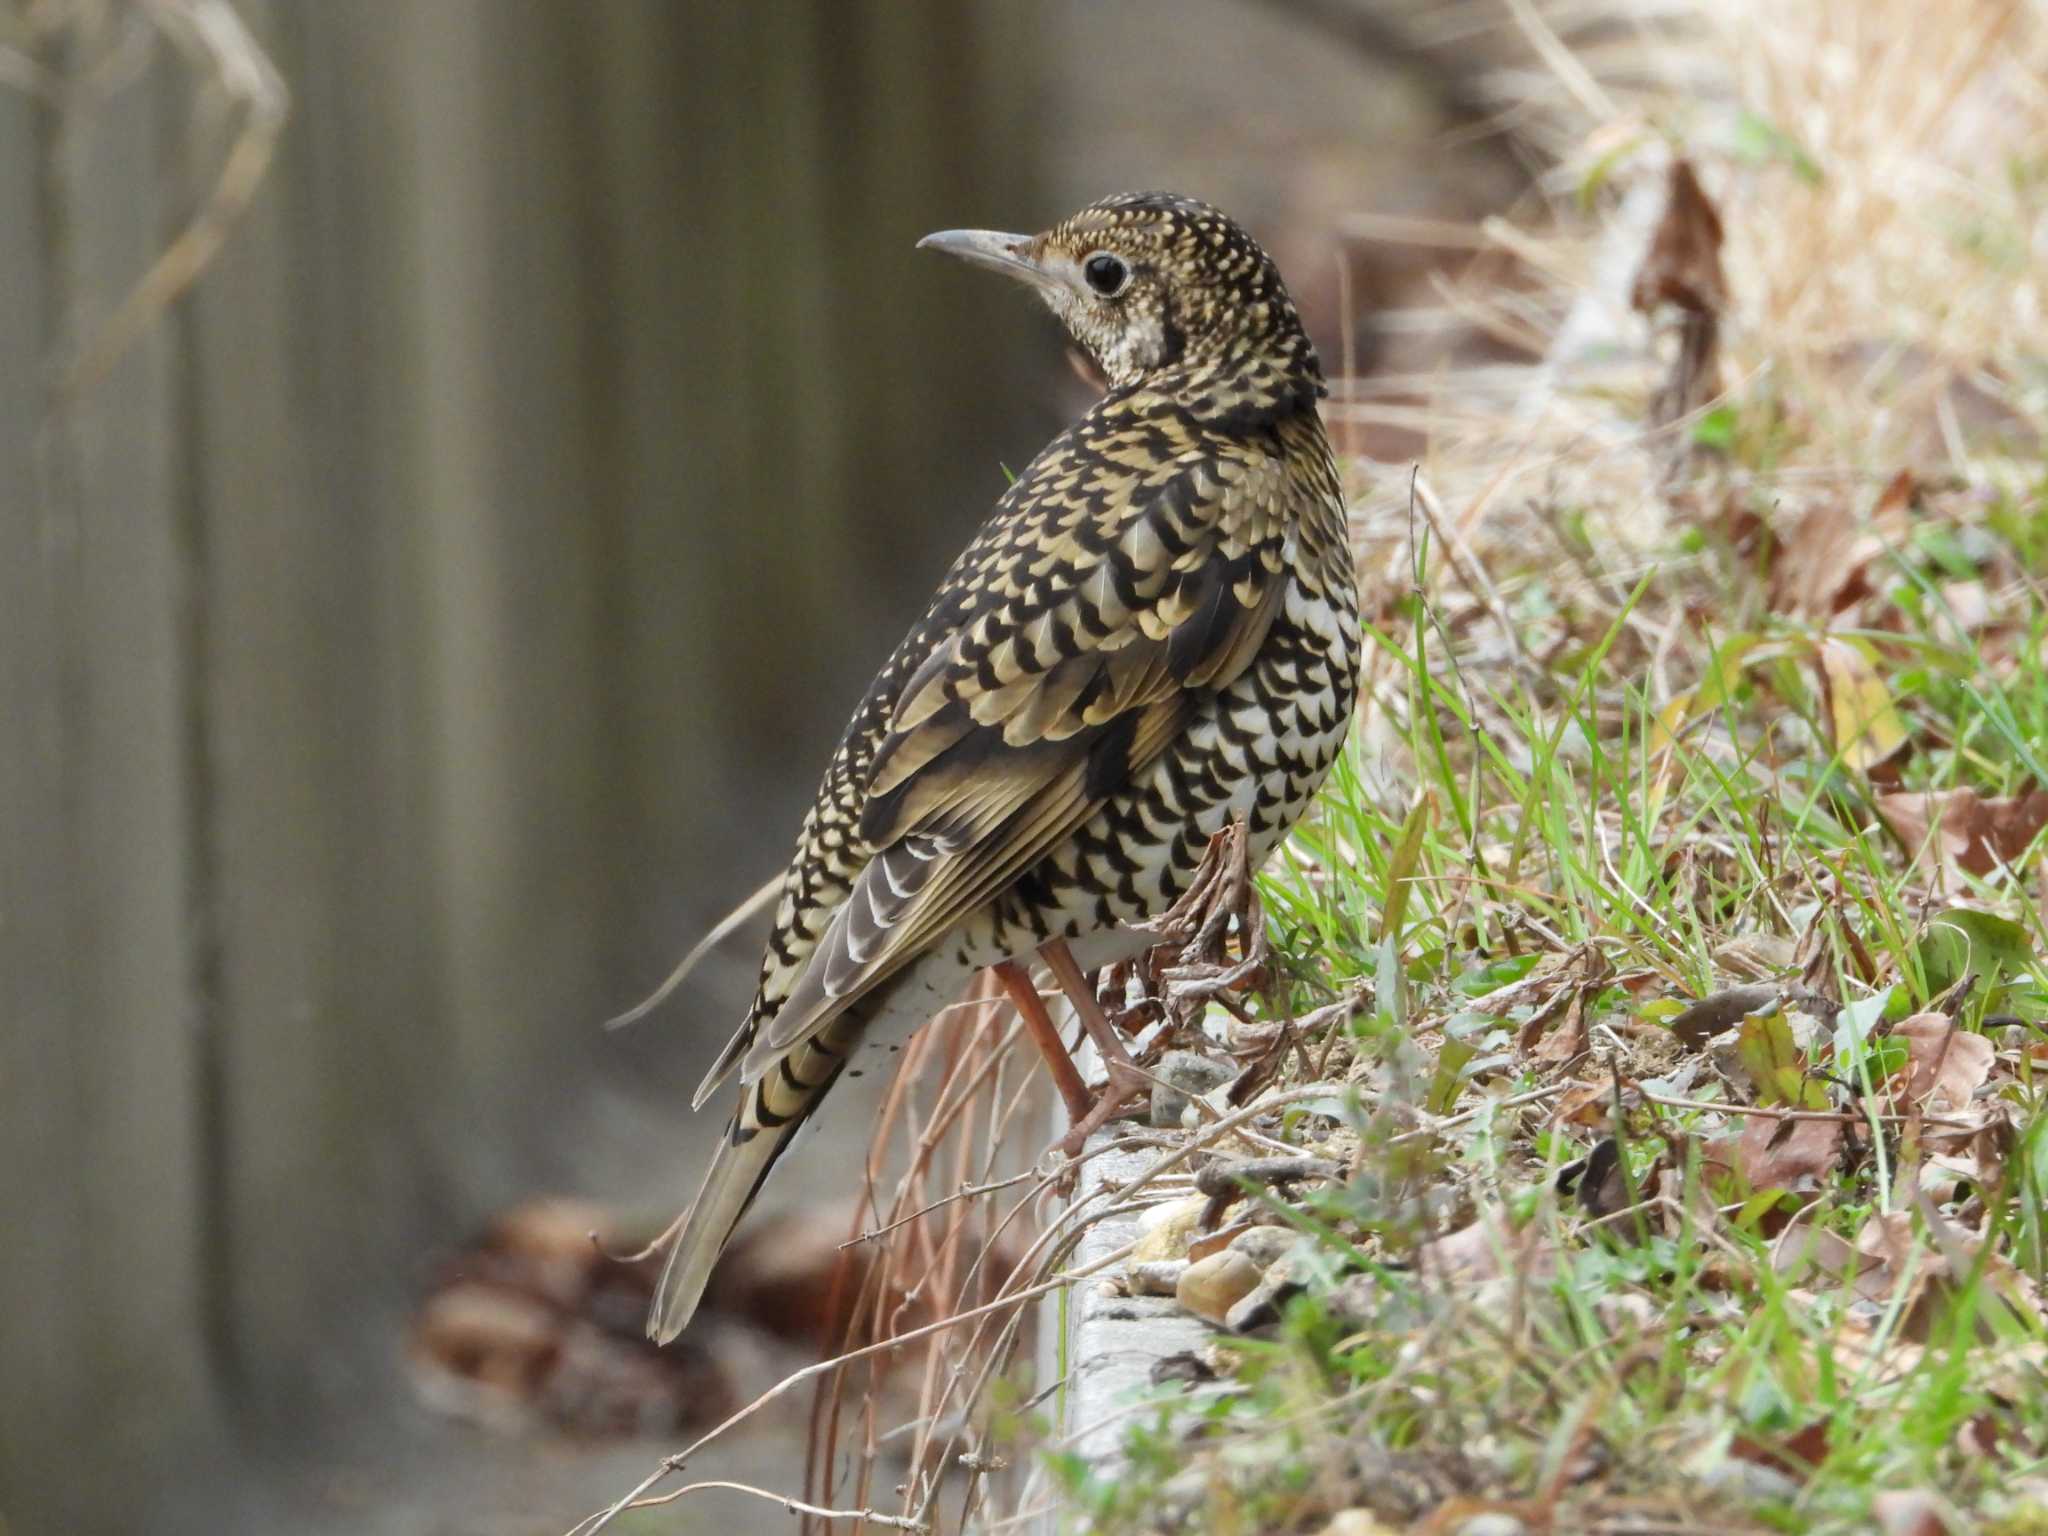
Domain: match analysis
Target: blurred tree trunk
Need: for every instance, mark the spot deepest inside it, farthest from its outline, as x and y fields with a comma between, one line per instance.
x=424, y=623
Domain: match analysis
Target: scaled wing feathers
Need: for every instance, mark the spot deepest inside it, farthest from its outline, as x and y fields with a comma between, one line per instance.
x=1078, y=665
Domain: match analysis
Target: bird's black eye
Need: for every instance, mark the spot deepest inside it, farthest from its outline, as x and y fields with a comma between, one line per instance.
x=1106, y=274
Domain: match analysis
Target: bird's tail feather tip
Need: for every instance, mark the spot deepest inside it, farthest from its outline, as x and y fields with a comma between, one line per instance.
x=677, y=1294
x=730, y=1184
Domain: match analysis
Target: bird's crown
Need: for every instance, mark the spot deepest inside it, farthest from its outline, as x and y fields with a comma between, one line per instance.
x=1147, y=281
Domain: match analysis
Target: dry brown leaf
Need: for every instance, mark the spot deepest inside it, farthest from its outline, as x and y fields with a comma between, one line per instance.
x=1865, y=1347
x=1585, y=1104
x=1683, y=268
x=1979, y=1149
x=1888, y=514
x=1945, y=1065
x=1487, y=1249
x=1815, y=570
x=1683, y=263
x=1958, y=829
x=1795, y=1455
x=1557, y=1030
x=1565, y=1039
x=1542, y=984
x=1686, y=1202
x=1867, y=728
x=1808, y=1254
x=1822, y=561
x=1888, y=1264
x=1757, y=956
x=1777, y=1152
x=1965, y=609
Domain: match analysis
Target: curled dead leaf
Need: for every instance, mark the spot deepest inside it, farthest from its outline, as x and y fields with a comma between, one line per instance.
x=1822, y=562
x=1795, y=1455
x=1921, y=1272
x=1780, y=1152
x=1490, y=1247
x=1809, y=1254
x=1682, y=268
x=1556, y=1031
x=1866, y=726
x=1945, y=1064
x=1683, y=263
x=1585, y=1104
x=1958, y=829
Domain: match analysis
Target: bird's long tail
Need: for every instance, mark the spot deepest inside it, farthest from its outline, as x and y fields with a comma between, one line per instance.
x=768, y=1118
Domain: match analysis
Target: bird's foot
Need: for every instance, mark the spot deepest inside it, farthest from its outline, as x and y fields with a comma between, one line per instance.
x=1211, y=943
x=1128, y=1083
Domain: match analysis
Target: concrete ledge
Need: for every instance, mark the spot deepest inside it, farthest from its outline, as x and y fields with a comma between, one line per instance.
x=1110, y=1343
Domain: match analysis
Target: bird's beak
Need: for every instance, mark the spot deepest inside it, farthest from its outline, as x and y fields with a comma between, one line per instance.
x=1010, y=255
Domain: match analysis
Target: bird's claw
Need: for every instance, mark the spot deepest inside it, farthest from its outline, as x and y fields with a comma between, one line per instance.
x=1127, y=1083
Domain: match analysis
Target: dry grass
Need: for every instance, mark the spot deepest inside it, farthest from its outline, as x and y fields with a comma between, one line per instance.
x=71, y=54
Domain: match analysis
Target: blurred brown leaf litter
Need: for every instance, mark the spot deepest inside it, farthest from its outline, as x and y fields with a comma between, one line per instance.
x=540, y=1323
x=1682, y=269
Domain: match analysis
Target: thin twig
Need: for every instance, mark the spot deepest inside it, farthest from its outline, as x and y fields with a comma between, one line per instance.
x=793, y=1506
x=213, y=32
x=965, y=1192
x=720, y=931
x=1827, y=1116
x=675, y=1463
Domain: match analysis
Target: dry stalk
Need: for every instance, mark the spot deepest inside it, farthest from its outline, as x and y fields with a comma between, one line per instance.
x=77, y=53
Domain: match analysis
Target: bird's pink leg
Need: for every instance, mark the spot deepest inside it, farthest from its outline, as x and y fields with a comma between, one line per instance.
x=1046, y=1036
x=1127, y=1080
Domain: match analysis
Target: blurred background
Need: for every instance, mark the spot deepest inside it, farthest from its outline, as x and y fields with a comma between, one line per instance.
x=428, y=596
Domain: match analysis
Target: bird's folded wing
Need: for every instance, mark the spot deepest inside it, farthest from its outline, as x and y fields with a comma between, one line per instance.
x=1101, y=636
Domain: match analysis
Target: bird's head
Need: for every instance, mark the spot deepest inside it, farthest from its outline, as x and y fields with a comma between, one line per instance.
x=1146, y=281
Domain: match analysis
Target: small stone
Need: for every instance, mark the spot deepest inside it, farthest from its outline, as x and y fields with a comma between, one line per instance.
x=1284, y=1279
x=1186, y=1369
x=1355, y=1302
x=1265, y=1246
x=1165, y=1231
x=1493, y=1524
x=1183, y=1076
x=1212, y=1286
x=1909, y=1512
x=1750, y=1481
x=1155, y=1277
x=1626, y=1313
x=1355, y=1522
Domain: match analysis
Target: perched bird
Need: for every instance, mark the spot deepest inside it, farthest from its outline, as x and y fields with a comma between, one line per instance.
x=1155, y=633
